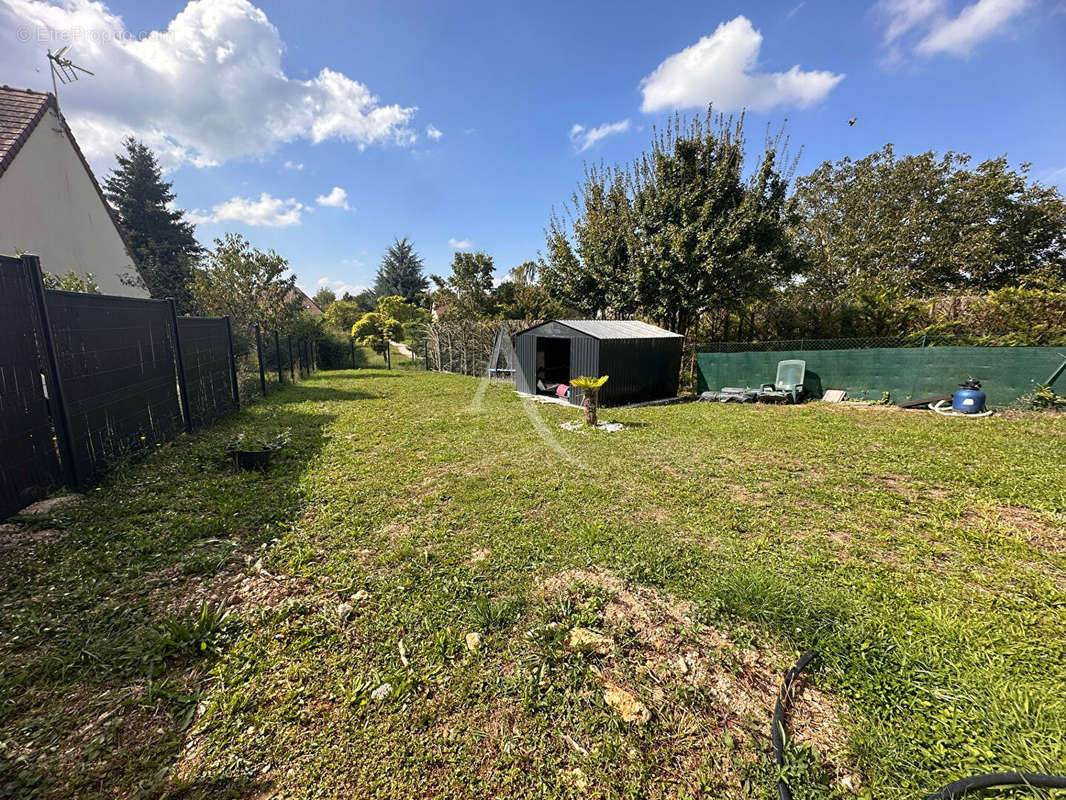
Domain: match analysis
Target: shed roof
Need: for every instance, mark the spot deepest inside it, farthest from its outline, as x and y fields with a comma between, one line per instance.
x=613, y=329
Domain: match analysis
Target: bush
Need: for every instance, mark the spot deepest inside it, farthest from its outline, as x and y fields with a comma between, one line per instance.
x=335, y=352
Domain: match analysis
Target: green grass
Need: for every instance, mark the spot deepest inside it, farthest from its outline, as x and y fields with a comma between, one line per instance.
x=199, y=632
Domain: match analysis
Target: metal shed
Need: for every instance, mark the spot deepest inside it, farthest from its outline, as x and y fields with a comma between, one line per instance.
x=643, y=361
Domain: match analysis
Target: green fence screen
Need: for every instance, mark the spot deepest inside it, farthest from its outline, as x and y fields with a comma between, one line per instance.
x=906, y=373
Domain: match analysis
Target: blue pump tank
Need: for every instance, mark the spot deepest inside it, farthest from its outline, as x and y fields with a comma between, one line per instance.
x=968, y=398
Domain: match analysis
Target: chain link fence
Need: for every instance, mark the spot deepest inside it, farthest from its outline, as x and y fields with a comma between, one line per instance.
x=860, y=343
x=466, y=347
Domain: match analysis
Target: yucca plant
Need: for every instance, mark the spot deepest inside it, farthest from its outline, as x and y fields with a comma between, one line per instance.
x=591, y=388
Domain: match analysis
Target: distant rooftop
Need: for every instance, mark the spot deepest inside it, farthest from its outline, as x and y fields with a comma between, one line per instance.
x=617, y=329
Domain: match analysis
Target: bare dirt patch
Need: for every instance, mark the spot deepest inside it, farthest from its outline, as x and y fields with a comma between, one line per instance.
x=1037, y=529
x=14, y=536
x=704, y=690
x=238, y=589
x=50, y=504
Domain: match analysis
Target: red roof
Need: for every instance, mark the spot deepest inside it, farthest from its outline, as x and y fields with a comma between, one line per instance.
x=20, y=111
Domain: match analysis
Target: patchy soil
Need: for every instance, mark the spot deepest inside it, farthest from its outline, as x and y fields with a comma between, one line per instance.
x=1038, y=530
x=15, y=536
x=707, y=694
x=50, y=504
x=238, y=589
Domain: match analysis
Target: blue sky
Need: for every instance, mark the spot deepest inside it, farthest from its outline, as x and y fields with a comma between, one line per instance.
x=265, y=114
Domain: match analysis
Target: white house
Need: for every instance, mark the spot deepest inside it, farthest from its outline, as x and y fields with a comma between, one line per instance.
x=50, y=203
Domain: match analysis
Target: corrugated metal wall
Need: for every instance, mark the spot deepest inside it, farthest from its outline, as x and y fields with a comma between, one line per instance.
x=906, y=373
x=584, y=361
x=639, y=369
x=584, y=356
x=525, y=375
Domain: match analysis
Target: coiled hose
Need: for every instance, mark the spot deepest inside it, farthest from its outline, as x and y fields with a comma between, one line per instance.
x=952, y=791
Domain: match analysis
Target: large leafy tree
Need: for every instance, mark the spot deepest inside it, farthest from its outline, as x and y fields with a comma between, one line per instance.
x=162, y=240
x=707, y=236
x=400, y=273
x=248, y=285
x=681, y=232
x=923, y=224
x=595, y=271
x=324, y=298
x=520, y=296
x=342, y=314
x=468, y=291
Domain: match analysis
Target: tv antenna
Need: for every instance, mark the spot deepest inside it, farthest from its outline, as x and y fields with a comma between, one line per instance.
x=63, y=68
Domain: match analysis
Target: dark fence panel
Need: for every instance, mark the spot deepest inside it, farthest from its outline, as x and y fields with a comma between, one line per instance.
x=29, y=464
x=116, y=361
x=205, y=355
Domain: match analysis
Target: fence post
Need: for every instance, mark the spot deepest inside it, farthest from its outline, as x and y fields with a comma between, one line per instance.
x=259, y=356
x=292, y=365
x=352, y=342
x=277, y=355
x=183, y=392
x=232, y=363
x=57, y=398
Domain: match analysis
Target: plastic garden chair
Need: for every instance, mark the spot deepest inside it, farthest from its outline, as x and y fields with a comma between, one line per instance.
x=788, y=387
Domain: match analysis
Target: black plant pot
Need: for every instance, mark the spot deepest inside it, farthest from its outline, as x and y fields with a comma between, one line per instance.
x=251, y=459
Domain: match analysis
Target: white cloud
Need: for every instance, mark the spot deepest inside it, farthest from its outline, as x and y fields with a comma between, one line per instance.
x=340, y=287
x=337, y=198
x=265, y=212
x=937, y=31
x=902, y=16
x=973, y=25
x=721, y=69
x=583, y=138
x=208, y=89
x=433, y=133
x=460, y=244
x=795, y=10
x=294, y=165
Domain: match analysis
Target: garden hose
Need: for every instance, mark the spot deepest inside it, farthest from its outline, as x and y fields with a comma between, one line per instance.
x=992, y=779
x=946, y=411
x=777, y=724
x=952, y=791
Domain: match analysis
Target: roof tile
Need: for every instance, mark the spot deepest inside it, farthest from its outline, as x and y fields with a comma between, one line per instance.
x=20, y=111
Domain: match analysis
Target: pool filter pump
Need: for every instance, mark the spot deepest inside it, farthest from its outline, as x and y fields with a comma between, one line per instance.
x=968, y=398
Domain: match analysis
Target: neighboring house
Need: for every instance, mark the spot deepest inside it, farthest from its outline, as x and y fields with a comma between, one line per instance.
x=50, y=203
x=306, y=302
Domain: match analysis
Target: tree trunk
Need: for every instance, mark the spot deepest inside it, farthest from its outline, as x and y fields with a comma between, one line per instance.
x=590, y=402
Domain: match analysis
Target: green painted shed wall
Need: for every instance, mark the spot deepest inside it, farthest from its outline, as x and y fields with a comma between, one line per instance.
x=1006, y=373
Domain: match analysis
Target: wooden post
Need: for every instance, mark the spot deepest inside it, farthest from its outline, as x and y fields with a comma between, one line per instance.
x=259, y=354
x=232, y=363
x=183, y=392
x=57, y=398
x=277, y=355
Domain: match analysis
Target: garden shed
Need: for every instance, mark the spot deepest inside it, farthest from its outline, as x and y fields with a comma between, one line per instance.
x=642, y=360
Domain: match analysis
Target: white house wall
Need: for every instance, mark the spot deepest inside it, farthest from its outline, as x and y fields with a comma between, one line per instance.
x=49, y=207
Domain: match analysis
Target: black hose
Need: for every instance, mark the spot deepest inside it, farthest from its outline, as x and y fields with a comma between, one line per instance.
x=952, y=791
x=961, y=787
x=777, y=724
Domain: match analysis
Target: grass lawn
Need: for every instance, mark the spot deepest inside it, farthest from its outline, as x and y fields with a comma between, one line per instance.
x=423, y=600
